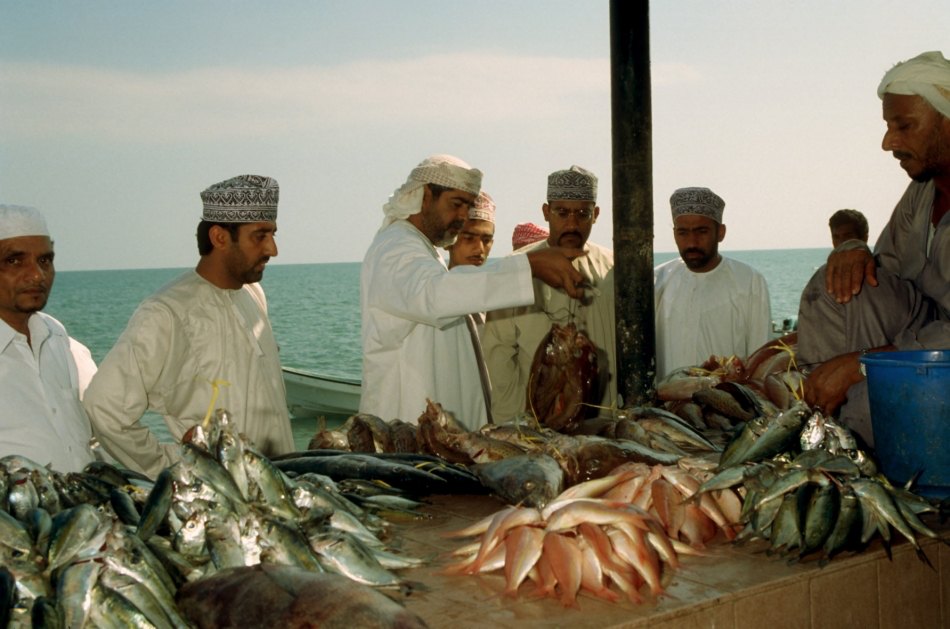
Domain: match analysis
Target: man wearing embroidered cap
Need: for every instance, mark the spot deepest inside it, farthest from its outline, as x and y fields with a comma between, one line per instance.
x=706, y=304
x=512, y=335
x=897, y=298
x=477, y=236
x=43, y=371
x=419, y=339
x=209, y=324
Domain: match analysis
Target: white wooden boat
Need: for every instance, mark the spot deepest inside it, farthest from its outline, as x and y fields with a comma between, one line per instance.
x=311, y=394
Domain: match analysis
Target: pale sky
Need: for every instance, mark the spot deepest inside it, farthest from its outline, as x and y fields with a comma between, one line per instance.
x=115, y=115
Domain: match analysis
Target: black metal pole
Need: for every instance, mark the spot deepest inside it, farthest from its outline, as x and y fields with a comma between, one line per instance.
x=632, y=131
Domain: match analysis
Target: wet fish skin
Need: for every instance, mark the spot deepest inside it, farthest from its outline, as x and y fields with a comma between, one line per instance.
x=288, y=544
x=283, y=596
x=343, y=553
x=274, y=491
x=70, y=531
x=7, y=595
x=533, y=479
x=846, y=533
x=381, y=431
x=124, y=507
x=23, y=495
x=111, y=610
x=14, y=534
x=359, y=435
x=230, y=451
x=156, y=505
x=819, y=519
x=874, y=495
x=74, y=592
x=44, y=615
x=207, y=468
x=403, y=436
x=723, y=402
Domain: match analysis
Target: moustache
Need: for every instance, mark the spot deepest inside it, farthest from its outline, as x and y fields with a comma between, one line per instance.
x=901, y=155
x=38, y=285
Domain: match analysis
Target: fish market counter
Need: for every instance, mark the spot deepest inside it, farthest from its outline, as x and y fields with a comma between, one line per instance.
x=731, y=588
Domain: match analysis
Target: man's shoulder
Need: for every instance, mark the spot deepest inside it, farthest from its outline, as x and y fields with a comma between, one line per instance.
x=741, y=269
x=399, y=235
x=667, y=268
x=55, y=327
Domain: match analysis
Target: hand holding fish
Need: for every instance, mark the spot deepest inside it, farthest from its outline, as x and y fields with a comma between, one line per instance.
x=847, y=271
x=553, y=266
x=827, y=386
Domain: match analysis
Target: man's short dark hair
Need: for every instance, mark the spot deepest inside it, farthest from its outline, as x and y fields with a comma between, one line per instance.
x=850, y=217
x=204, y=239
x=437, y=190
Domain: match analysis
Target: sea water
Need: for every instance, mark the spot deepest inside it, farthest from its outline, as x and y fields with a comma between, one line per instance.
x=315, y=308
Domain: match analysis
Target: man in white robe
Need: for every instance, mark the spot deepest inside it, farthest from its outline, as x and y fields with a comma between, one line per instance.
x=42, y=370
x=208, y=325
x=706, y=304
x=418, y=339
x=897, y=298
x=512, y=335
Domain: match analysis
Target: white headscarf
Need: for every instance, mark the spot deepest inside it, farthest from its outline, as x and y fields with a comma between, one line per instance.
x=441, y=170
x=926, y=75
x=17, y=221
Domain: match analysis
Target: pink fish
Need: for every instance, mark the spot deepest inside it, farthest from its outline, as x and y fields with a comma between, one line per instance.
x=565, y=557
x=524, y=546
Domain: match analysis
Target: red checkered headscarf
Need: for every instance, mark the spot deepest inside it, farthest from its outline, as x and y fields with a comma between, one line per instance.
x=527, y=233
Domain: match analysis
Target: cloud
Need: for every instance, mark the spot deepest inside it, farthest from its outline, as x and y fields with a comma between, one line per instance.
x=41, y=100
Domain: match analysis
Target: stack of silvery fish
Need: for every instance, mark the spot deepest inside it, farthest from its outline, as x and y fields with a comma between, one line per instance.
x=809, y=487
x=110, y=548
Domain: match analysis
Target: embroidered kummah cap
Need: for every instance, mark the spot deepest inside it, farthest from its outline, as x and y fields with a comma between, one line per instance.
x=926, y=75
x=441, y=170
x=527, y=233
x=701, y=201
x=574, y=184
x=17, y=221
x=483, y=209
x=243, y=199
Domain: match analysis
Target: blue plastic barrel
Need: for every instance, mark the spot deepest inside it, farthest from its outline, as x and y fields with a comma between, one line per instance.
x=909, y=393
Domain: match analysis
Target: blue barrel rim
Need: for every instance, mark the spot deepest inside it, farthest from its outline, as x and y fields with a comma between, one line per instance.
x=930, y=358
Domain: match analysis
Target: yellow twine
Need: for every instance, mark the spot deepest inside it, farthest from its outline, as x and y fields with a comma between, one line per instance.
x=214, y=385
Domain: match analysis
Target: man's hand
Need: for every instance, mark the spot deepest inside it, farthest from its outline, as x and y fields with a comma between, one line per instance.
x=553, y=267
x=827, y=386
x=847, y=271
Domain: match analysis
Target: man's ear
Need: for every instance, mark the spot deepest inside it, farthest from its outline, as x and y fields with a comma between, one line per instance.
x=722, y=232
x=546, y=210
x=220, y=237
x=596, y=213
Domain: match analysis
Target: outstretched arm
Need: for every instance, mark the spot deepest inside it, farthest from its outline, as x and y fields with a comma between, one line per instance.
x=552, y=265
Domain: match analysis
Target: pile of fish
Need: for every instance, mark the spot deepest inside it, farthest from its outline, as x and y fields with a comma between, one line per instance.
x=725, y=391
x=808, y=488
x=110, y=548
x=524, y=463
x=620, y=531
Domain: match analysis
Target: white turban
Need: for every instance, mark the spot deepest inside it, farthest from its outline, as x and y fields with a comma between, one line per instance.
x=926, y=75
x=17, y=221
x=441, y=170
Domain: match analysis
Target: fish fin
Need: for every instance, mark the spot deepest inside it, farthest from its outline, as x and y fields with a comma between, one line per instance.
x=924, y=558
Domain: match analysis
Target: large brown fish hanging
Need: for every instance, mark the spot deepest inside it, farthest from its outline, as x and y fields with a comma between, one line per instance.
x=563, y=377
